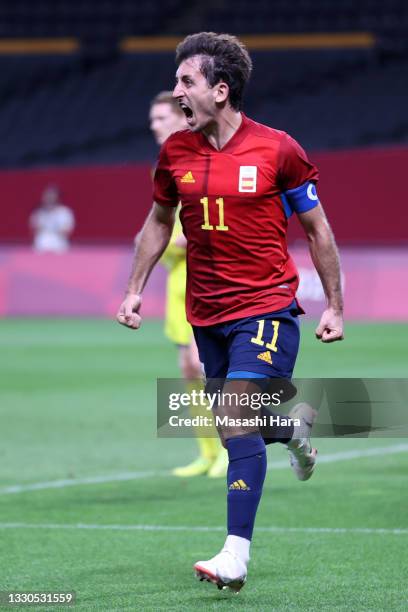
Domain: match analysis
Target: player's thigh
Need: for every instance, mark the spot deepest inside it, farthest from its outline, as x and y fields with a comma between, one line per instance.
x=266, y=345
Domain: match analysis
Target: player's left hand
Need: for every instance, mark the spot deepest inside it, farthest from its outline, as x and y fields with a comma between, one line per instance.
x=330, y=328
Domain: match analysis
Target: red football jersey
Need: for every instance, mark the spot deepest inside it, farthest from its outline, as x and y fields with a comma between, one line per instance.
x=233, y=218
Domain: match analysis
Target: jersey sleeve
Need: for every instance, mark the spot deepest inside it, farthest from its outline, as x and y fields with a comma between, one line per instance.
x=164, y=186
x=294, y=167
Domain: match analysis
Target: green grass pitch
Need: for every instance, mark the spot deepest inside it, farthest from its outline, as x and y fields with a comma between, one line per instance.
x=78, y=401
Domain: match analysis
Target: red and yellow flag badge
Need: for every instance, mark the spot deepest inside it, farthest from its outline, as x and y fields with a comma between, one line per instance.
x=247, y=179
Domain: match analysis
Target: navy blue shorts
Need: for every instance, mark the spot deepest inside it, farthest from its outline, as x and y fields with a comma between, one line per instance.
x=263, y=345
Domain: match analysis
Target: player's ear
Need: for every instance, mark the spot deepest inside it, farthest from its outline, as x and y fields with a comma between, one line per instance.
x=221, y=91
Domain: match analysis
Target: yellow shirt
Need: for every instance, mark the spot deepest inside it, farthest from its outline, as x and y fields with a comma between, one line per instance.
x=174, y=255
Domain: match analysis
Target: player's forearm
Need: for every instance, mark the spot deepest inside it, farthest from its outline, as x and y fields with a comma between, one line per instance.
x=326, y=260
x=149, y=246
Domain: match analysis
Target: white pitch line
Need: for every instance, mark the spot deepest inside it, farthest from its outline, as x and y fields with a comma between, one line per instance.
x=70, y=482
x=123, y=476
x=350, y=454
x=201, y=528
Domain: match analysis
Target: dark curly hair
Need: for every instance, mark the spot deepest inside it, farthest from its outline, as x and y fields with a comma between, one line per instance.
x=225, y=58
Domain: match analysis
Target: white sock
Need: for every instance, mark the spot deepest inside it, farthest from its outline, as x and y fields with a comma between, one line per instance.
x=239, y=546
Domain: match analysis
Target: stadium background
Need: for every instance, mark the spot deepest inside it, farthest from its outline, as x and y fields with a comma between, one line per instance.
x=77, y=409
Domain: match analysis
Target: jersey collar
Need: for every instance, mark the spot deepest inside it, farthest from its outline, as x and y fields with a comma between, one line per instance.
x=234, y=141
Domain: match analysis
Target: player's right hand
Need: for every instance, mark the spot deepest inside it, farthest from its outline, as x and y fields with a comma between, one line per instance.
x=128, y=313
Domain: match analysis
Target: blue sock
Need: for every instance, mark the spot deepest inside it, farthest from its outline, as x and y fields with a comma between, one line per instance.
x=245, y=478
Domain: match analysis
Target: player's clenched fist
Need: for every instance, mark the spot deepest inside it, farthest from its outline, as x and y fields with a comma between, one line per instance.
x=330, y=328
x=128, y=311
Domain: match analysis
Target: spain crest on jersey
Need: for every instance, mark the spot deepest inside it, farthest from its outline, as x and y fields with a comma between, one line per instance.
x=247, y=179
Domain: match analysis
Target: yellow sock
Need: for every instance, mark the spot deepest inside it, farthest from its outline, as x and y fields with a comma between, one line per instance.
x=209, y=447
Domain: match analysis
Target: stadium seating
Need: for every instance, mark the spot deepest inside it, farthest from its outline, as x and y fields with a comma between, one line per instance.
x=70, y=110
x=310, y=16
x=89, y=105
x=86, y=19
x=115, y=18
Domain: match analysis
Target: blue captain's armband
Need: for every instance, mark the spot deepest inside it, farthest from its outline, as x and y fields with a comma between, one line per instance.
x=301, y=199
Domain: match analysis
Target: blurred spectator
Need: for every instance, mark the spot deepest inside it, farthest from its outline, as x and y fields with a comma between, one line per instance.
x=52, y=222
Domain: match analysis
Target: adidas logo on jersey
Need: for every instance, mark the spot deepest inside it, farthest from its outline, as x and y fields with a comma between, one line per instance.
x=188, y=178
x=239, y=485
x=266, y=356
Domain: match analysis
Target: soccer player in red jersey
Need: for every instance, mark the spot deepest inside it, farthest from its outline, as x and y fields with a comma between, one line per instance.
x=238, y=182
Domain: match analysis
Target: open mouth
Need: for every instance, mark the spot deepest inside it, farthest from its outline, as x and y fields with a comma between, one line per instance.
x=186, y=110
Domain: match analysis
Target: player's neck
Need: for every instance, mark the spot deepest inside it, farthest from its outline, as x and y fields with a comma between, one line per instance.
x=222, y=129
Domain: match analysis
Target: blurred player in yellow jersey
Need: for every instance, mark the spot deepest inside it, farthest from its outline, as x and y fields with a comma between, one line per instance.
x=167, y=117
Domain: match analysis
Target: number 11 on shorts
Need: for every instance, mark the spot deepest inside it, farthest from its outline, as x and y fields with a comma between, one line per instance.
x=258, y=339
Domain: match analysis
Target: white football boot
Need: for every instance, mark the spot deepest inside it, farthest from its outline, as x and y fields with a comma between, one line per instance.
x=302, y=455
x=225, y=570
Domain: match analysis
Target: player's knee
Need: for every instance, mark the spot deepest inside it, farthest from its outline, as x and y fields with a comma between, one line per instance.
x=232, y=430
x=190, y=371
